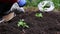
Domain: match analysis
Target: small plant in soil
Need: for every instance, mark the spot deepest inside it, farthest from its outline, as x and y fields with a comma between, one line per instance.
x=22, y=24
x=46, y=6
x=39, y=15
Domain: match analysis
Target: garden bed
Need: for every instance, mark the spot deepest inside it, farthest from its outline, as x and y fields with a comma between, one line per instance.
x=48, y=24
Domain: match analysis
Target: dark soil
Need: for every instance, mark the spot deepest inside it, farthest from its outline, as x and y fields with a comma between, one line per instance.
x=48, y=24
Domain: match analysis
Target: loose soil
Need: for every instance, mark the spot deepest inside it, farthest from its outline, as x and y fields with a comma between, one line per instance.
x=48, y=24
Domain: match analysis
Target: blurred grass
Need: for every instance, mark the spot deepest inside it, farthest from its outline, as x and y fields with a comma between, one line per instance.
x=34, y=3
x=56, y=3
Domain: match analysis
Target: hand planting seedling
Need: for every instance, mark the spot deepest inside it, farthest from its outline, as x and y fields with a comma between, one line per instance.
x=38, y=15
x=22, y=23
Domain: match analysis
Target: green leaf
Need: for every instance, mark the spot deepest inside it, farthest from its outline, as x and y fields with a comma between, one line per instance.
x=22, y=23
x=27, y=26
x=39, y=15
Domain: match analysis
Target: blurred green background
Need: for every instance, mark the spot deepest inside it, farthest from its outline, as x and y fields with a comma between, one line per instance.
x=34, y=3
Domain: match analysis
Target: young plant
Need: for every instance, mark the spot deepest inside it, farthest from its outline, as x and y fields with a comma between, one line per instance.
x=38, y=15
x=22, y=23
x=46, y=6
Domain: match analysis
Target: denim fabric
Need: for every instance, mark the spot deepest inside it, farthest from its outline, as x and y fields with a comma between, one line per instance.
x=21, y=3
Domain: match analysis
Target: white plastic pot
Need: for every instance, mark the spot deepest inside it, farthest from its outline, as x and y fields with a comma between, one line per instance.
x=43, y=3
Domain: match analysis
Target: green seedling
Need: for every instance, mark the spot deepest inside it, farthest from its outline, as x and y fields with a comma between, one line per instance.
x=38, y=15
x=22, y=23
x=46, y=6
